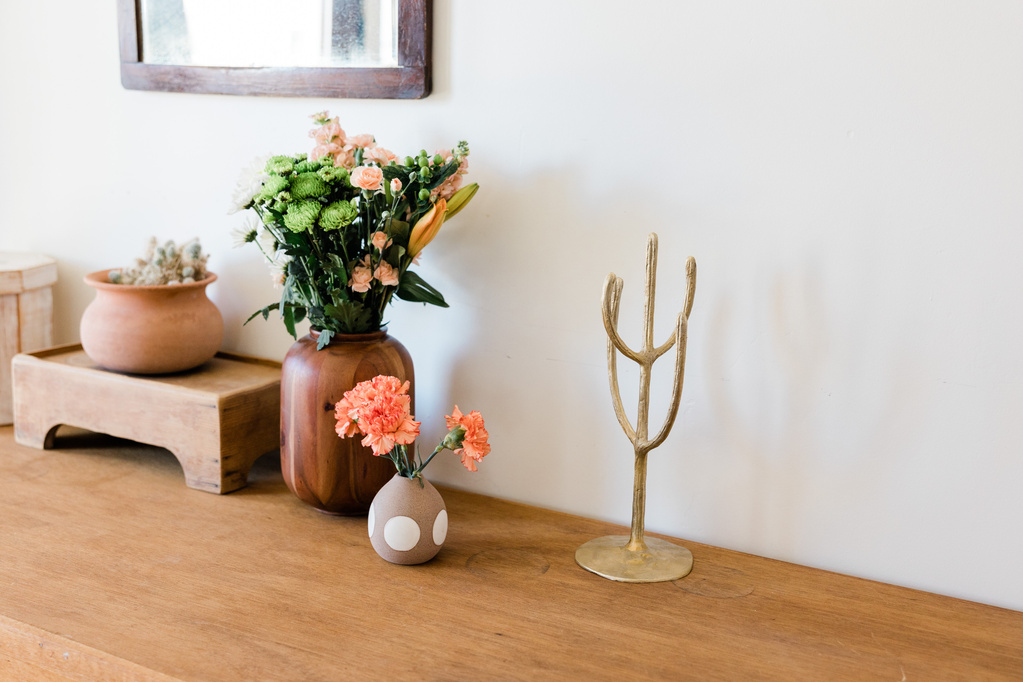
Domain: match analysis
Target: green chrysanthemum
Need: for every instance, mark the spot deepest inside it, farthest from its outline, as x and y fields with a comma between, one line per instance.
x=273, y=185
x=307, y=166
x=301, y=215
x=306, y=185
x=338, y=215
x=280, y=165
x=333, y=174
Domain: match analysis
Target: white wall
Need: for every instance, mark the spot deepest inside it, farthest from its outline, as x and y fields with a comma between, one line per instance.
x=847, y=175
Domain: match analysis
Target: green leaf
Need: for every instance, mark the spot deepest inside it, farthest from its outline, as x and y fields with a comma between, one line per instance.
x=288, y=315
x=338, y=295
x=289, y=284
x=415, y=289
x=325, y=336
x=398, y=231
x=335, y=266
x=297, y=244
x=265, y=312
x=351, y=316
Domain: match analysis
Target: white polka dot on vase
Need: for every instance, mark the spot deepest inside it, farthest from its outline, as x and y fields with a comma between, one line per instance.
x=440, y=527
x=401, y=533
x=371, y=521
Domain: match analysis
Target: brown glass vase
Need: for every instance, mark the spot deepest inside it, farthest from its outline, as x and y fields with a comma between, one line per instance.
x=332, y=474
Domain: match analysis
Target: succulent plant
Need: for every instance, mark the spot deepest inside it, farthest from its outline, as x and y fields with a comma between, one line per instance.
x=165, y=264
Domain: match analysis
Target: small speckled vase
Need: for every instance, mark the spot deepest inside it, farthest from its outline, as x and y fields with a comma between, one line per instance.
x=407, y=521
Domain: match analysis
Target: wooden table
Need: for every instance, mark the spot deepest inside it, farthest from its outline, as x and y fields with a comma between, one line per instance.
x=111, y=569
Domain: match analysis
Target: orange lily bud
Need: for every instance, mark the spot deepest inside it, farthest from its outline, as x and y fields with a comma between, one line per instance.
x=427, y=228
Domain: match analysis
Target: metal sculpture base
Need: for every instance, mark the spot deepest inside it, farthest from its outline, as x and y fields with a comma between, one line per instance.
x=609, y=558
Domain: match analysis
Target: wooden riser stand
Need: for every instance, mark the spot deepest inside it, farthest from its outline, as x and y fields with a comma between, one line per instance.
x=216, y=419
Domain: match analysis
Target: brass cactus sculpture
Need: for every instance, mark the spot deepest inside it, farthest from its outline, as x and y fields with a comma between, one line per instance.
x=634, y=558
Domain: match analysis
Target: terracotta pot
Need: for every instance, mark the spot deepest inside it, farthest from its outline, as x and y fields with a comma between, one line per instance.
x=407, y=522
x=150, y=329
x=332, y=474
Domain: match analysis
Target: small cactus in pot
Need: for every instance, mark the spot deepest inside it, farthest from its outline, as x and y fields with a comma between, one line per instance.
x=165, y=264
x=155, y=317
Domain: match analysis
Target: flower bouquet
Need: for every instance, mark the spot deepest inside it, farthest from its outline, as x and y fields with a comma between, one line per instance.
x=407, y=521
x=341, y=226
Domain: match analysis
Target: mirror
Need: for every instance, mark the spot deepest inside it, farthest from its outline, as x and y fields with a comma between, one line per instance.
x=333, y=48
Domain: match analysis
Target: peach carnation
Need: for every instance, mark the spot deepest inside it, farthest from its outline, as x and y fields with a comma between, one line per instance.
x=329, y=132
x=380, y=155
x=368, y=178
x=447, y=189
x=386, y=274
x=346, y=415
x=474, y=445
x=380, y=240
x=321, y=150
x=362, y=276
x=380, y=410
x=345, y=158
x=364, y=140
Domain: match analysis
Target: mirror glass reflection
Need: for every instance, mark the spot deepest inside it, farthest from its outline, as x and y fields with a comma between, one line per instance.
x=270, y=33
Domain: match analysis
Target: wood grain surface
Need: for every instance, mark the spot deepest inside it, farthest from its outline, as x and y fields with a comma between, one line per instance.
x=107, y=558
x=217, y=418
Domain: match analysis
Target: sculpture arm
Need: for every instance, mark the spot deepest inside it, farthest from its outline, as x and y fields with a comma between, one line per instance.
x=612, y=291
x=681, y=333
x=687, y=306
x=611, y=302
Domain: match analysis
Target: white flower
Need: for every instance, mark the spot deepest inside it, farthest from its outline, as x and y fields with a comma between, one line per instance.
x=267, y=244
x=277, y=258
x=279, y=268
x=244, y=233
x=250, y=181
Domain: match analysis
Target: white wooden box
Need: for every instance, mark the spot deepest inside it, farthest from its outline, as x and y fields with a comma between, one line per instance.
x=26, y=314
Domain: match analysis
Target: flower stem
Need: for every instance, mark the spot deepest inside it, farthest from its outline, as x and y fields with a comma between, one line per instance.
x=430, y=458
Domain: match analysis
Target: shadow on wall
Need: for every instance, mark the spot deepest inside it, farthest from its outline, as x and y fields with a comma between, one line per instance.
x=71, y=296
x=794, y=441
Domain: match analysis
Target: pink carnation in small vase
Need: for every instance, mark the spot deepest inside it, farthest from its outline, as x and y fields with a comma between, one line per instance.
x=379, y=409
x=407, y=522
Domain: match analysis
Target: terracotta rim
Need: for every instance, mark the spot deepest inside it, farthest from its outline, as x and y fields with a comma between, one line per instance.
x=100, y=280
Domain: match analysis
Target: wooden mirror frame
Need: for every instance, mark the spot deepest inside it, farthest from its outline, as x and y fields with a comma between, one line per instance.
x=409, y=80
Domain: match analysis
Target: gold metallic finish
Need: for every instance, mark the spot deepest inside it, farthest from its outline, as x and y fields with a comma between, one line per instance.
x=633, y=558
x=609, y=557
